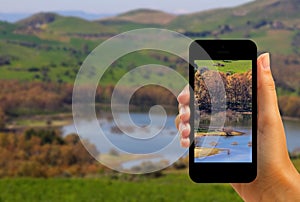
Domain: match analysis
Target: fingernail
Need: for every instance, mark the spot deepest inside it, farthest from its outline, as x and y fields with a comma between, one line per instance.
x=266, y=61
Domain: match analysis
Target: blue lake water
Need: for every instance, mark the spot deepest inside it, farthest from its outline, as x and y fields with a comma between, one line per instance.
x=236, y=148
x=125, y=142
x=240, y=152
x=292, y=130
x=162, y=149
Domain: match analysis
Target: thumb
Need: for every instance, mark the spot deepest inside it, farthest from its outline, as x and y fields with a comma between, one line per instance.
x=271, y=136
x=267, y=98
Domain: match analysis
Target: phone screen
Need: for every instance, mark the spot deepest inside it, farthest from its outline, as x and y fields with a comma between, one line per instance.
x=232, y=141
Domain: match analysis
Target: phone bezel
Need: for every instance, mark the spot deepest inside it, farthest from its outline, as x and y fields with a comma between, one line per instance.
x=219, y=172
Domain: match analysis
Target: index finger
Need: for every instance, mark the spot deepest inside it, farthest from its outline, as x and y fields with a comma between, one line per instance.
x=184, y=97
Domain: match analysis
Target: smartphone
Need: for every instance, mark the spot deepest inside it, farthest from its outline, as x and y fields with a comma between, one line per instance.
x=223, y=83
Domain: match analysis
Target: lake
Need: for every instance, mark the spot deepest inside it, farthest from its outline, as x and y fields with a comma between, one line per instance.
x=169, y=134
x=163, y=149
x=236, y=148
x=292, y=130
x=122, y=141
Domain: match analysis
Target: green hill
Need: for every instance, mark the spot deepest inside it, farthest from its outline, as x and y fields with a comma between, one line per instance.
x=77, y=25
x=53, y=26
x=285, y=10
x=39, y=19
x=251, y=14
x=146, y=16
x=50, y=47
x=137, y=19
x=264, y=21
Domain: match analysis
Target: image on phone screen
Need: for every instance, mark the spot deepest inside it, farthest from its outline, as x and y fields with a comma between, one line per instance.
x=233, y=141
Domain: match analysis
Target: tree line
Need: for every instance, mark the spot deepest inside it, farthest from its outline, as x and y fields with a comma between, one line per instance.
x=19, y=98
x=216, y=89
x=45, y=153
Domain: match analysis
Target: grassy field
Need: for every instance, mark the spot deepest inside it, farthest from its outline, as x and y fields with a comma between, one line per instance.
x=233, y=66
x=171, y=187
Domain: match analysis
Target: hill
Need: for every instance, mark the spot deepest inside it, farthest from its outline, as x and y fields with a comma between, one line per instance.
x=264, y=21
x=51, y=47
x=286, y=11
x=38, y=19
x=57, y=24
x=146, y=16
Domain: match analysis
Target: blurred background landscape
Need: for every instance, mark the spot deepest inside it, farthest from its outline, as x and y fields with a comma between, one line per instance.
x=40, y=55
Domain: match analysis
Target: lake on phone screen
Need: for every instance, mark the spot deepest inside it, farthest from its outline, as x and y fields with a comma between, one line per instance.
x=239, y=152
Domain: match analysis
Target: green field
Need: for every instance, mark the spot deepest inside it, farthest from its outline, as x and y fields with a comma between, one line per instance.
x=233, y=66
x=171, y=187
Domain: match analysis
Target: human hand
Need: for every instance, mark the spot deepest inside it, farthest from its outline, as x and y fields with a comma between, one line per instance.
x=277, y=178
x=182, y=119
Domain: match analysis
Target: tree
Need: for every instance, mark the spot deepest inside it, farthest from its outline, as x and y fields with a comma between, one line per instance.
x=2, y=119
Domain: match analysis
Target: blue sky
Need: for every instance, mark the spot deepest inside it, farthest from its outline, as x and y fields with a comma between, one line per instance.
x=113, y=6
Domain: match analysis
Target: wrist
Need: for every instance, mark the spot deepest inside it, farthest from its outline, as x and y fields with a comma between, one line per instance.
x=284, y=188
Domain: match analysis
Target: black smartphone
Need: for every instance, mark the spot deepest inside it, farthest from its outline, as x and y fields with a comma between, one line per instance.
x=223, y=81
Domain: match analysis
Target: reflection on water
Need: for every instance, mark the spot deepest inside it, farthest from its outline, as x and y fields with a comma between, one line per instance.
x=238, y=144
x=232, y=148
x=229, y=148
x=124, y=142
x=162, y=149
x=241, y=150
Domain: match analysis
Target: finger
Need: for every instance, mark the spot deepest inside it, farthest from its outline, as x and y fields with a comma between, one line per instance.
x=271, y=136
x=184, y=113
x=184, y=129
x=184, y=96
x=267, y=99
x=185, y=142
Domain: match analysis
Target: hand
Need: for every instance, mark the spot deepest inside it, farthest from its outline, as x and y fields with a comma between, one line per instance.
x=277, y=178
x=182, y=119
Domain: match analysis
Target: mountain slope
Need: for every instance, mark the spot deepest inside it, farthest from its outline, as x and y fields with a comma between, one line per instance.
x=284, y=10
x=50, y=46
x=54, y=23
x=6, y=27
x=264, y=21
x=38, y=19
x=145, y=16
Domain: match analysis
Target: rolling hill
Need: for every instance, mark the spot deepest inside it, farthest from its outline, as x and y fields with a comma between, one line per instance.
x=285, y=11
x=146, y=16
x=51, y=47
x=61, y=25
